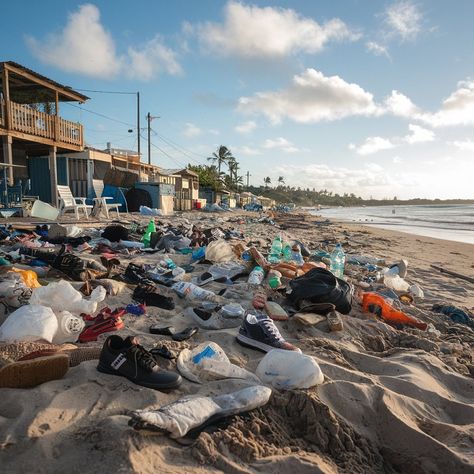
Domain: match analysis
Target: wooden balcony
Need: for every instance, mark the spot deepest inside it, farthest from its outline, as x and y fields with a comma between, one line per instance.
x=28, y=123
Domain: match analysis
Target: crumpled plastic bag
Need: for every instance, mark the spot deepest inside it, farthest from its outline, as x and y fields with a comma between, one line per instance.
x=61, y=296
x=208, y=361
x=219, y=251
x=29, y=277
x=13, y=292
x=29, y=323
x=288, y=370
x=187, y=413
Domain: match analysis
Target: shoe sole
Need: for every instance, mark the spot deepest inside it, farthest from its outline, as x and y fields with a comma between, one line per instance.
x=248, y=342
x=170, y=386
x=33, y=372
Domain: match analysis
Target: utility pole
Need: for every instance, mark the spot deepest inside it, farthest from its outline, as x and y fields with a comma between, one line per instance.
x=149, y=118
x=138, y=124
x=248, y=176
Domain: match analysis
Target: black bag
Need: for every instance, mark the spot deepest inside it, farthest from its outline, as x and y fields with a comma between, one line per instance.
x=321, y=286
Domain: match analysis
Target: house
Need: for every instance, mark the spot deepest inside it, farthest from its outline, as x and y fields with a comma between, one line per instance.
x=32, y=132
x=186, y=184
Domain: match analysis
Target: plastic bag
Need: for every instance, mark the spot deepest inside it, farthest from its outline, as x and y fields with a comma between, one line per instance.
x=14, y=292
x=287, y=370
x=29, y=277
x=219, y=251
x=208, y=361
x=61, y=296
x=395, y=282
x=29, y=323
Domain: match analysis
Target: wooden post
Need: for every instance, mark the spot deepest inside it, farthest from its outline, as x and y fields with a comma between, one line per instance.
x=6, y=97
x=8, y=156
x=56, y=117
x=54, y=175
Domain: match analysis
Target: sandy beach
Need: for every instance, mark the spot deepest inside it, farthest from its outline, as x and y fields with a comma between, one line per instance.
x=392, y=400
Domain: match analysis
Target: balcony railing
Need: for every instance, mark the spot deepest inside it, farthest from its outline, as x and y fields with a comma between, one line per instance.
x=26, y=120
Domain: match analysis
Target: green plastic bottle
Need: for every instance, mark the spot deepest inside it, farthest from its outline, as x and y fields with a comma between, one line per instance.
x=147, y=235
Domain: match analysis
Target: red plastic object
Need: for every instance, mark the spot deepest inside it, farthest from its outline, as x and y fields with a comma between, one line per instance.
x=91, y=333
x=375, y=303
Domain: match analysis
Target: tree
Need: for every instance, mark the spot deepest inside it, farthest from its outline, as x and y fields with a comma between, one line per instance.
x=223, y=155
x=267, y=181
x=208, y=176
x=281, y=181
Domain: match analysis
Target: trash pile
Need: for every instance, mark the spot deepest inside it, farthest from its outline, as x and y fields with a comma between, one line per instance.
x=56, y=283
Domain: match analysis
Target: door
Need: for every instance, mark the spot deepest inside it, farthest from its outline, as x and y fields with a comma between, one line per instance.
x=38, y=171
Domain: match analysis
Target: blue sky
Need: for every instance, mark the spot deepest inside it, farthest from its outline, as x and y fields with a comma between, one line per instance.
x=374, y=98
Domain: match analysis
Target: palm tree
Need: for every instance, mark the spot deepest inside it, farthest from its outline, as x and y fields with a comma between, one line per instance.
x=223, y=155
x=281, y=180
x=267, y=181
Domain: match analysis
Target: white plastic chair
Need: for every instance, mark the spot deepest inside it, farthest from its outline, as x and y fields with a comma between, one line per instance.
x=101, y=202
x=70, y=203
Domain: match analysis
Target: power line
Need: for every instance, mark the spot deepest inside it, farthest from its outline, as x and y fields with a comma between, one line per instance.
x=167, y=154
x=100, y=115
x=177, y=148
x=106, y=92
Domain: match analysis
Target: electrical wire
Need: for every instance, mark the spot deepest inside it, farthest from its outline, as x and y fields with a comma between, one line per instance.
x=166, y=154
x=99, y=114
x=106, y=92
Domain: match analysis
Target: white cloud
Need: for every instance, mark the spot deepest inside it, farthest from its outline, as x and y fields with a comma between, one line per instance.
x=246, y=150
x=152, y=59
x=246, y=127
x=372, y=145
x=457, y=109
x=465, y=145
x=312, y=97
x=213, y=131
x=377, y=48
x=419, y=134
x=250, y=31
x=191, y=130
x=404, y=19
x=400, y=105
x=397, y=160
x=280, y=143
x=85, y=47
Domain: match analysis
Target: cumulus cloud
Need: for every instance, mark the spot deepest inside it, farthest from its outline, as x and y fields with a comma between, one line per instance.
x=372, y=145
x=457, y=109
x=377, y=48
x=465, y=145
x=400, y=105
x=191, y=130
x=280, y=143
x=84, y=46
x=246, y=150
x=250, y=31
x=404, y=19
x=312, y=97
x=419, y=134
x=246, y=127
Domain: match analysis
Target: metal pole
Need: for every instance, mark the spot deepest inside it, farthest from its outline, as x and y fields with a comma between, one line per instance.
x=138, y=124
x=248, y=176
x=148, y=117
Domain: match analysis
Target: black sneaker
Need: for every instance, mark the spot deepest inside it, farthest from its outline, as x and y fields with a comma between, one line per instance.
x=127, y=358
x=149, y=295
x=259, y=332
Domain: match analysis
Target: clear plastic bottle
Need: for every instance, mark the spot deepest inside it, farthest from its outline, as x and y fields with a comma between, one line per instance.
x=275, y=252
x=256, y=276
x=189, y=290
x=287, y=252
x=338, y=259
x=296, y=255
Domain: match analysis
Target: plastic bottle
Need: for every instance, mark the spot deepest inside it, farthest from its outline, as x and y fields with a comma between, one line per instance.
x=147, y=235
x=189, y=290
x=287, y=252
x=69, y=328
x=338, y=258
x=168, y=263
x=256, y=276
x=296, y=255
x=274, y=279
x=275, y=252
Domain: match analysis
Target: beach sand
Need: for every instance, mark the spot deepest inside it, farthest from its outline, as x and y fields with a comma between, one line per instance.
x=392, y=400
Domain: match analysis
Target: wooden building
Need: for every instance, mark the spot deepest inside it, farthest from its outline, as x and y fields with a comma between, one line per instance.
x=31, y=129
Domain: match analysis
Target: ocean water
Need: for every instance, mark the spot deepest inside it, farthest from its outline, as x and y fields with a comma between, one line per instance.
x=449, y=222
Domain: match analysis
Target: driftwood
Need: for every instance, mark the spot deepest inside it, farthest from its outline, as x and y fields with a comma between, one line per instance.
x=454, y=274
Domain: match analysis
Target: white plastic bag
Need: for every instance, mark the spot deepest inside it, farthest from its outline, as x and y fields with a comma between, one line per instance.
x=29, y=323
x=69, y=327
x=395, y=282
x=208, y=361
x=219, y=251
x=61, y=296
x=287, y=370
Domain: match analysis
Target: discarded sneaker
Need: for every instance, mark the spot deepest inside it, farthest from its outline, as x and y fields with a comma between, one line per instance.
x=105, y=321
x=127, y=358
x=149, y=295
x=259, y=332
x=217, y=317
x=32, y=372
